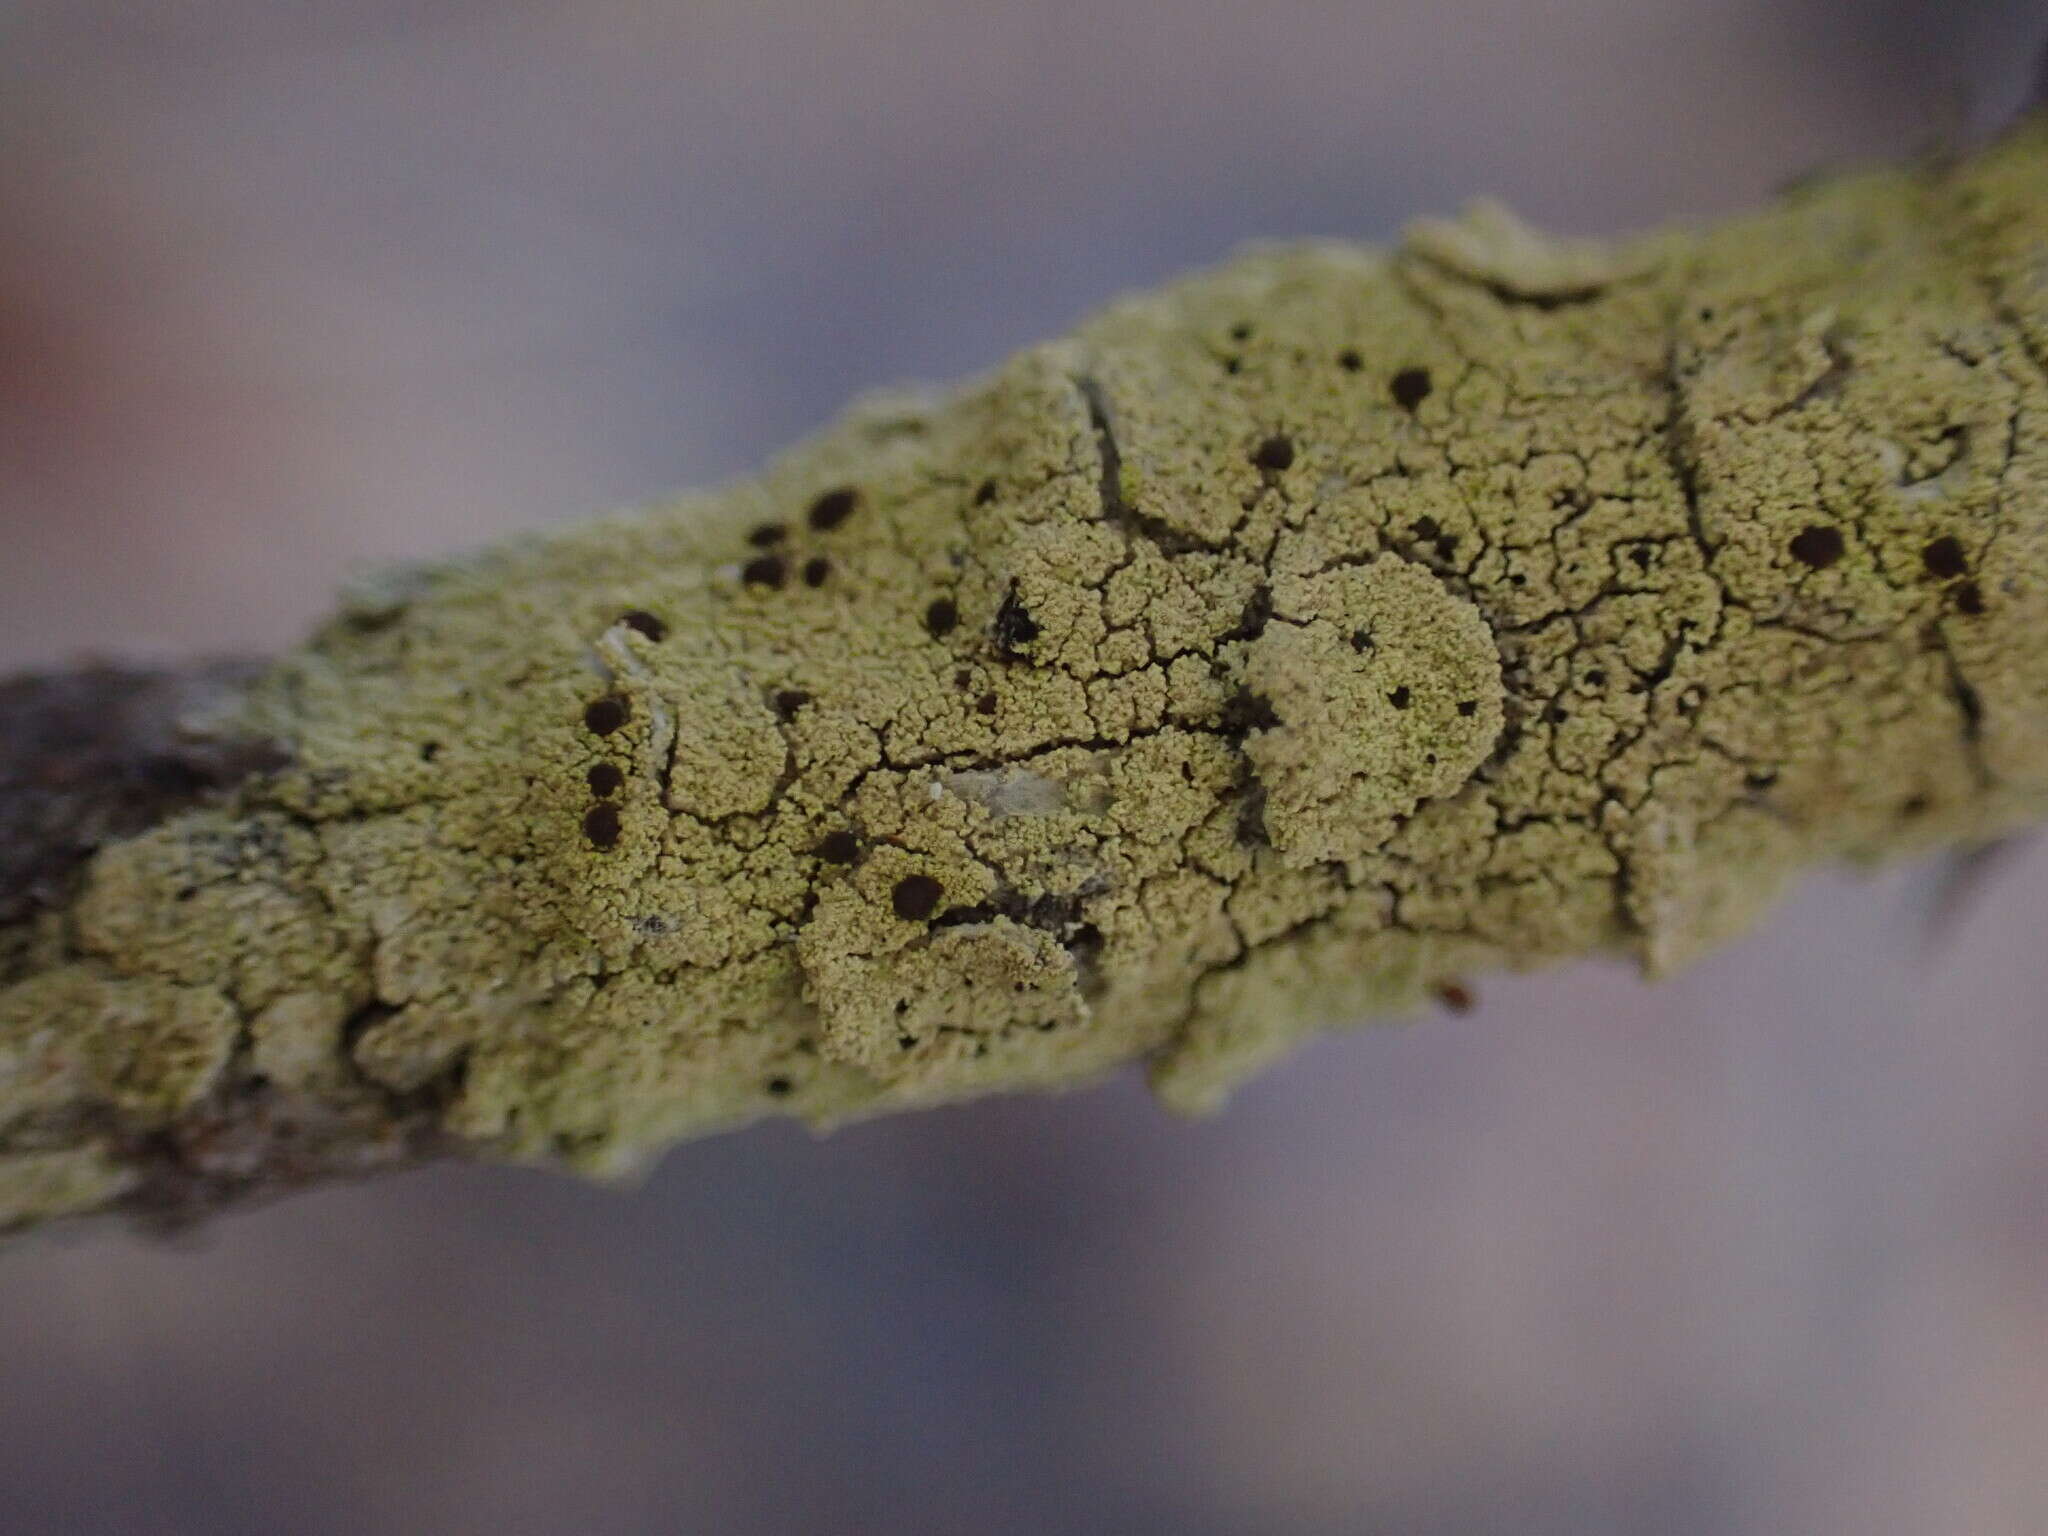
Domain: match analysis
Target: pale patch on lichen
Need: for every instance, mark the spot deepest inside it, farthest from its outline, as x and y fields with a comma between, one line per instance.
x=1008, y=791
x=1385, y=691
x=295, y=1041
x=39, y=1186
x=1489, y=245
x=1282, y=644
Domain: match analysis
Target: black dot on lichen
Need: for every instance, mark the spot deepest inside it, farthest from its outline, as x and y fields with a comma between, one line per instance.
x=764, y=571
x=1274, y=454
x=1233, y=364
x=816, y=569
x=1014, y=628
x=1819, y=546
x=1350, y=360
x=1240, y=332
x=605, y=779
x=840, y=847
x=1596, y=677
x=787, y=702
x=984, y=493
x=916, y=897
x=1256, y=614
x=429, y=750
x=1944, y=557
x=779, y=1087
x=1400, y=697
x=768, y=534
x=642, y=622
x=985, y=705
x=1424, y=528
x=1410, y=387
x=942, y=617
x=833, y=508
x=1246, y=711
x=1361, y=640
x=601, y=825
x=1969, y=598
x=1446, y=545
x=605, y=715
x=1468, y=707
x=1250, y=830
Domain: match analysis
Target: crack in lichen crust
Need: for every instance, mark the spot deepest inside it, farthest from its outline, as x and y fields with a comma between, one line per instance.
x=1275, y=650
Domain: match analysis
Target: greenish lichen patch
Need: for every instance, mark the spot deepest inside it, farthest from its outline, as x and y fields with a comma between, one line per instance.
x=1383, y=689
x=40, y=1186
x=1279, y=647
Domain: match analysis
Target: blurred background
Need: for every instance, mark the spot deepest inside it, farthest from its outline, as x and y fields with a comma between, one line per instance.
x=289, y=288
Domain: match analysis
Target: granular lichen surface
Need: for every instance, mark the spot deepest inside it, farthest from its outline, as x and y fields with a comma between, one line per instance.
x=1273, y=652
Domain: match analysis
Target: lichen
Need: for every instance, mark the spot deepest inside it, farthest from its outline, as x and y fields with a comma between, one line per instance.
x=1276, y=649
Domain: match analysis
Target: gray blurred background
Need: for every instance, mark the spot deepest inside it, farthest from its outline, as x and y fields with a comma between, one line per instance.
x=287, y=288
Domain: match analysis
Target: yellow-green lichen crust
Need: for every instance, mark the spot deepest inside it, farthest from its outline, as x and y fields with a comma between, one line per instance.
x=1279, y=646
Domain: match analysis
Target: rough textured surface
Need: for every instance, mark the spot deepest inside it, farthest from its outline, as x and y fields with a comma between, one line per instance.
x=1273, y=651
x=95, y=755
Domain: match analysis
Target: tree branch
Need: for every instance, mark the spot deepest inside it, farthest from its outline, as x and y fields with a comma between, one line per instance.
x=1272, y=653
